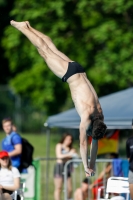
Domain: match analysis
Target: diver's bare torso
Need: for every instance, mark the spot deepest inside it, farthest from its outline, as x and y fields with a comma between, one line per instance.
x=84, y=95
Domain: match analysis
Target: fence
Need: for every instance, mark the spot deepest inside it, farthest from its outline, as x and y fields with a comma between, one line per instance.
x=78, y=174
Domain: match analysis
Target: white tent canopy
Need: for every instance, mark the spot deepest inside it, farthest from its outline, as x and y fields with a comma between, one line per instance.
x=117, y=110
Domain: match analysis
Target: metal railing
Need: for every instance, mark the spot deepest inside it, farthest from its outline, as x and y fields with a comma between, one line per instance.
x=100, y=165
x=77, y=176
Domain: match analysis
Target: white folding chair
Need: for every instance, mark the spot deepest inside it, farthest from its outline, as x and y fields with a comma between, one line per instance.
x=20, y=191
x=118, y=185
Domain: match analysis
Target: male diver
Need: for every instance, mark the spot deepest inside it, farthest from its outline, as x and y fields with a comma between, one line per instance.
x=83, y=94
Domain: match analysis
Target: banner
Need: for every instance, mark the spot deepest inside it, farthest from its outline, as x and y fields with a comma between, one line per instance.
x=31, y=179
x=109, y=144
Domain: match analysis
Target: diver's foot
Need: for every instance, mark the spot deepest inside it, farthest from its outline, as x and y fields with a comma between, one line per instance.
x=28, y=24
x=89, y=172
x=18, y=25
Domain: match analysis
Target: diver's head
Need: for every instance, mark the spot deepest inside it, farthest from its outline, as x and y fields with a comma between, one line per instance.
x=99, y=129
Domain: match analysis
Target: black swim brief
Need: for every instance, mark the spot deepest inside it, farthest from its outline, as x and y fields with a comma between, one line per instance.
x=73, y=68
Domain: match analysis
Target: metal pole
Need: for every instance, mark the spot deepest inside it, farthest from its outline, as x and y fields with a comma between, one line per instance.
x=47, y=163
x=65, y=180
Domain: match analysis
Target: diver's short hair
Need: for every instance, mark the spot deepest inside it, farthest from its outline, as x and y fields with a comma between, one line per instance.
x=99, y=129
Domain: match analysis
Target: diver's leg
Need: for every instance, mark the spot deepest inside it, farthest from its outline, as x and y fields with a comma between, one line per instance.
x=49, y=42
x=55, y=62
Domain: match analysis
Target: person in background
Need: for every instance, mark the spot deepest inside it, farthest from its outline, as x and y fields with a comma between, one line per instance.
x=129, y=152
x=82, y=193
x=12, y=143
x=9, y=178
x=103, y=177
x=64, y=152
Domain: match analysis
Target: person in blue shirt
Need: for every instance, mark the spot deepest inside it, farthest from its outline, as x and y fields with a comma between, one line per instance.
x=12, y=143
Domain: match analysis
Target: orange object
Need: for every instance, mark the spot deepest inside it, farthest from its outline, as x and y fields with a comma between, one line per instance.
x=108, y=144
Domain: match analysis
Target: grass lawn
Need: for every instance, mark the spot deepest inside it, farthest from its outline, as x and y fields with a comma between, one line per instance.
x=37, y=140
x=39, y=143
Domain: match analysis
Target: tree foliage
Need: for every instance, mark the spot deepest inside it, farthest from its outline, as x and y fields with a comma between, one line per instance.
x=97, y=34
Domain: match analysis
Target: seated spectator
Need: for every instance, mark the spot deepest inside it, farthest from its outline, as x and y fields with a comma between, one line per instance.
x=64, y=152
x=82, y=193
x=103, y=177
x=12, y=143
x=9, y=178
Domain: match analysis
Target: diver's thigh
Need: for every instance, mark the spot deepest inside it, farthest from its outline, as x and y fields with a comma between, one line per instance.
x=55, y=63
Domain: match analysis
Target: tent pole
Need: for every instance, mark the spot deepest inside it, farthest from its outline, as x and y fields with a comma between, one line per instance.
x=47, y=163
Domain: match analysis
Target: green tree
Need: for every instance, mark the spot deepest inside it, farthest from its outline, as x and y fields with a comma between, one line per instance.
x=97, y=34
